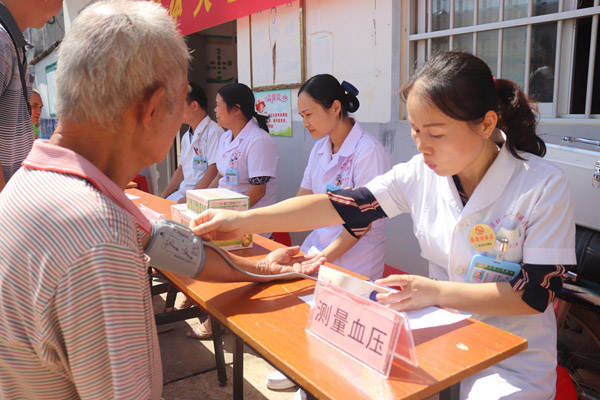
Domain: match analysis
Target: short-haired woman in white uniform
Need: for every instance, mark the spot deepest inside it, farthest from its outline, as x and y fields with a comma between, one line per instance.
x=480, y=166
x=199, y=148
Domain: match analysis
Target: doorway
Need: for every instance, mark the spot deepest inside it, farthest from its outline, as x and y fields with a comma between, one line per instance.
x=214, y=65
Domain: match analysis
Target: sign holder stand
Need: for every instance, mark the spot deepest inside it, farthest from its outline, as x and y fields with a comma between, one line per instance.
x=361, y=328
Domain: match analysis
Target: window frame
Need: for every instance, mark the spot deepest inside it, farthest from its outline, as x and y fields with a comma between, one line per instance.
x=418, y=48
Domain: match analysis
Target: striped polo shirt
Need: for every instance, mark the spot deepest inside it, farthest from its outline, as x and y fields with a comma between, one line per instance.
x=16, y=129
x=76, y=316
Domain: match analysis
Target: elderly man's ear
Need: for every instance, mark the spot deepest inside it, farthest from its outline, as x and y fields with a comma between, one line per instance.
x=152, y=106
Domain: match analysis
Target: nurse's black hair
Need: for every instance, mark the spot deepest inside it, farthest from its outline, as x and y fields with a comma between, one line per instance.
x=196, y=93
x=463, y=87
x=325, y=89
x=240, y=95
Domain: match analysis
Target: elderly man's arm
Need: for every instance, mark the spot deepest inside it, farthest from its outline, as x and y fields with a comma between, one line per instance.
x=279, y=261
x=174, y=248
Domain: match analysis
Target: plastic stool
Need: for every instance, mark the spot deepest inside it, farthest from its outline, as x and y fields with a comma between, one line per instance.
x=389, y=270
x=565, y=390
x=283, y=238
x=141, y=182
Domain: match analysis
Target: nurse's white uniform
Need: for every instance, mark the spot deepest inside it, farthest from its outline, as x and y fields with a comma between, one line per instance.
x=202, y=145
x=360, y=159
x=529, y=201
x=251, y=154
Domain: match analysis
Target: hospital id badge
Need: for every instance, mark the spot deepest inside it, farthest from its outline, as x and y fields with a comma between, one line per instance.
x=231, y=177
x=490, y=269
x=331, y=188
x=200, y=163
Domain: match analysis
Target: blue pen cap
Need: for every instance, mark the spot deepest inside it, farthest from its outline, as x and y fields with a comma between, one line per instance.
x=373, y=295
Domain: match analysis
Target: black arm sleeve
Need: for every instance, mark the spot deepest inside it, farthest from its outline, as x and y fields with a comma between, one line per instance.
x=259, y=180
x=539, y=284
x=358, y=208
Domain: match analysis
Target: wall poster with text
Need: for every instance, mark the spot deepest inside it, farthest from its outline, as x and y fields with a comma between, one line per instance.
x=277, y=105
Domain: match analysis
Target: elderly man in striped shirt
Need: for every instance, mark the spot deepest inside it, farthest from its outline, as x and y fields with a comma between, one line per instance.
x=75, y=309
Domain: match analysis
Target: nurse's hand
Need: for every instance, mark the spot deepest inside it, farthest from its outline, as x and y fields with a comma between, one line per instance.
x=417, y=292
x=217, y=224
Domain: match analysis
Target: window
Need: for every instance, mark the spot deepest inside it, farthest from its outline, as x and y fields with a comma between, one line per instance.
x=549, y=47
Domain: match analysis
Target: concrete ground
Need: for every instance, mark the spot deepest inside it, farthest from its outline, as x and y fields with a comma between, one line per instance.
x=189, y=367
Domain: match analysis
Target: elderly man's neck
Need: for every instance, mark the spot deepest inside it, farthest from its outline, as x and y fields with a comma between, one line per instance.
x=109, y=151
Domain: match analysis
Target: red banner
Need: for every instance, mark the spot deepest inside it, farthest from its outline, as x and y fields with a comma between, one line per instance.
x=196, y=15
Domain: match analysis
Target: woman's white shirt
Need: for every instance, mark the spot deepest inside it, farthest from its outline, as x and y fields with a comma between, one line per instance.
x=251, y=154
x=203, y=143
x=360, y=159
x=531, y=201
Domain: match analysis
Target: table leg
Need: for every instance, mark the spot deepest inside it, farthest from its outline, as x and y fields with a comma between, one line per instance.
x=220, y=357
x=309, y=396
x=451, y=392
x=238, y=369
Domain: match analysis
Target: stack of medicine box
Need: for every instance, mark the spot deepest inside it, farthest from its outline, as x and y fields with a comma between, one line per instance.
x=199, y=200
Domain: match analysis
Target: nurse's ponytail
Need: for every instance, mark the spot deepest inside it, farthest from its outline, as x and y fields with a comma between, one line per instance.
x=262, y=121
x=462, y=87
x=325, y=89
x=517, y=118
x=240, y=95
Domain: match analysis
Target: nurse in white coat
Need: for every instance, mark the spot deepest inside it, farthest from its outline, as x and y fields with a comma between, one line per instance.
x=345, y=156
x=248, y=159
x=199, y=146
x=480, y=171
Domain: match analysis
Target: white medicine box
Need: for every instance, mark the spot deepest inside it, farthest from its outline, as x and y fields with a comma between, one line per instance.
x=200, y=200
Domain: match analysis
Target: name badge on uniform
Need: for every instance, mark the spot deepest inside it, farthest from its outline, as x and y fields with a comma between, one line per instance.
x=490, y=269
x=231, y=176
x=331, y=188
x=200, y=163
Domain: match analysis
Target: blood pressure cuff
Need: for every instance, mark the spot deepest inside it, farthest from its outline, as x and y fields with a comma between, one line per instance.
x=358, y=208
x=539, y=283
x=173, y=247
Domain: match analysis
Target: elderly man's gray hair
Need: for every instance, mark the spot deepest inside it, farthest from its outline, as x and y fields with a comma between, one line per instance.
x=115, y=53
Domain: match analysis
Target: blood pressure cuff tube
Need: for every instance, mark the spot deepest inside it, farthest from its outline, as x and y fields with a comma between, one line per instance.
x=173, y=247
